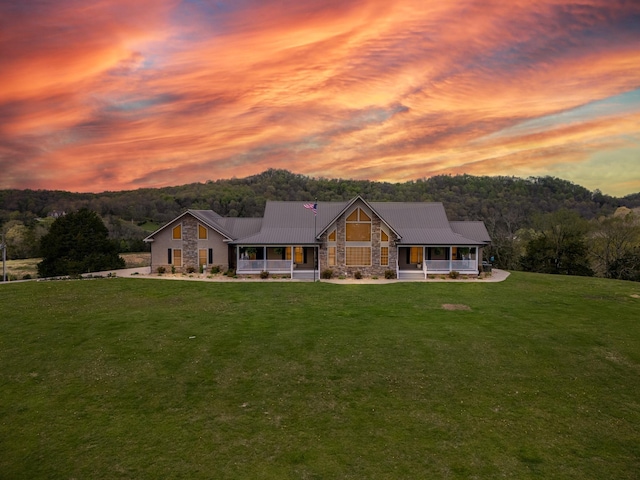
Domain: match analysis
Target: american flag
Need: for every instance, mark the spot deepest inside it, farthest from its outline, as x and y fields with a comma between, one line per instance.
x=312, y=206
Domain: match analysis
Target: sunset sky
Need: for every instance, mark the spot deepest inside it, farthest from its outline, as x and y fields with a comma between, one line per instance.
x=122, y=94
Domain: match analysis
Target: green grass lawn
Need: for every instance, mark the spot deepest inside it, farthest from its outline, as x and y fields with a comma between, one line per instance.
x=136, y=378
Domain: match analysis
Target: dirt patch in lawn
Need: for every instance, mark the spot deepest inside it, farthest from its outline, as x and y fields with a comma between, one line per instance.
x=455, y=306
x=635, y=295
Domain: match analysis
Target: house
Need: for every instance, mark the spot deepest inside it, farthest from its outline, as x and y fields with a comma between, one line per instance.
x=412, y=239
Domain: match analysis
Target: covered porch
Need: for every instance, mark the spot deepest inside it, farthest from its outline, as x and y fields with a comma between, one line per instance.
x=298, y=261
x=422, y=260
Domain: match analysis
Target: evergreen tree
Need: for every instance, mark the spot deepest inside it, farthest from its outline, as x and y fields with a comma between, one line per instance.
x=78, y=243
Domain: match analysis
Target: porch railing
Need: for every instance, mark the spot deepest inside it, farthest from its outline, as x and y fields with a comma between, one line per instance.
x=451, y=265
x=273, y=266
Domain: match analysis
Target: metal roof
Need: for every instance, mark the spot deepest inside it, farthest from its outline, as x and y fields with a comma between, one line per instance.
x=474, y=230
x=287, y=223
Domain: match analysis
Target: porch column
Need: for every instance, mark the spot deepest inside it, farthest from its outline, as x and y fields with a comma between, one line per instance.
x=450, y=258
x=264, y=259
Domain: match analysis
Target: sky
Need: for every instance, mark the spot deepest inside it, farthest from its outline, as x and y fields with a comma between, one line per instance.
x=123, y=94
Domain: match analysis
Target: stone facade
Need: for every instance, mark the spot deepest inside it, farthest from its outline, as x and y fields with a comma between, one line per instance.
x=189, y=243
x=341, y=268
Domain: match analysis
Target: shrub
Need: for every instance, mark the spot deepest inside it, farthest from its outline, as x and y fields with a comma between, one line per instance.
x=327, y=273
x=161, y=270
x=191, y=269
x=215, y=269
x=389, y=274
x=264, y=274
x=454, y=274
x=173, y=269
x=230, y=273
x=27, y=277
x=357, y=275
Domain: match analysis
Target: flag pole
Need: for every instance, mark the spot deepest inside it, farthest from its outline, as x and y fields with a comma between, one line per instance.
x=315, y=234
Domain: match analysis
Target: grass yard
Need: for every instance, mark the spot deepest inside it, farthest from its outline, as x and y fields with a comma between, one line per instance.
x=534, y=377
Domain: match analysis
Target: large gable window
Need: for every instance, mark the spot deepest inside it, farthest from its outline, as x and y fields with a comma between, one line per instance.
x=358, y=238
x=202, y=232
x=358, y=226
x=176, y=233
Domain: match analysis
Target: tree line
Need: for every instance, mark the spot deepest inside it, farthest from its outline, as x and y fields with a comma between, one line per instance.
x=518, y=212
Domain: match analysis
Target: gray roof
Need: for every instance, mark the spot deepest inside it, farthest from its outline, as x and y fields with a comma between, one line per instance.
x=212, y=219
x=289, y=223
x=421, y=223
x=474, y=230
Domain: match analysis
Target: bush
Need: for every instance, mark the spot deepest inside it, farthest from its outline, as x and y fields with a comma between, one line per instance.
x=161, y=270
x=357, y=275
x=230, y=273
x=454, y=274
x=215, y=269
x=264, y=274
x=327, y=274
x=191, y=269
x=26, y=276
x=389, y=274
x=173, y=269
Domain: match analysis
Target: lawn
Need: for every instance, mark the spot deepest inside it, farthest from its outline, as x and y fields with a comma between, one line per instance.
x=534, y=377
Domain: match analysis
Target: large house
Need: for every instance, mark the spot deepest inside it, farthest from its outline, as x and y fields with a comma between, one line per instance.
x=411, y=239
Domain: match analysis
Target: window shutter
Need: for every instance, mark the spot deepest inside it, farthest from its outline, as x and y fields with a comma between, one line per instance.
x=211, y=256
x=169, y=256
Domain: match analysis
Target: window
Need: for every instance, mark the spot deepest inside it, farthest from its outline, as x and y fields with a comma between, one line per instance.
x=358, y=226
x=299, y=255
x=358, y=236
x=202, y=232
x=176, y=233
x=287, y=253
x=384, y=248
x=332, y=256
x=384, y=255
x=202, y=257
x=331, y=248
x=177, y=257
x=358, y=256
x=415, y=255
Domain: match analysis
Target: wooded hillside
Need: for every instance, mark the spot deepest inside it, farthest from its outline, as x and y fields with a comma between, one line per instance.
x=507, y=205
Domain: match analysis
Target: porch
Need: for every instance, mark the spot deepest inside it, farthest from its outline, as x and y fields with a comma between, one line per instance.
x=296, y=261
x=416, y=262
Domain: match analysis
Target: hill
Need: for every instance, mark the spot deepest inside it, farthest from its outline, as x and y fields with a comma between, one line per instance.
x=505, y=204
x=465, y=196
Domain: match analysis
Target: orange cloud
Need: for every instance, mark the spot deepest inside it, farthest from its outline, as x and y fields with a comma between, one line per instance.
x=119, y=95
